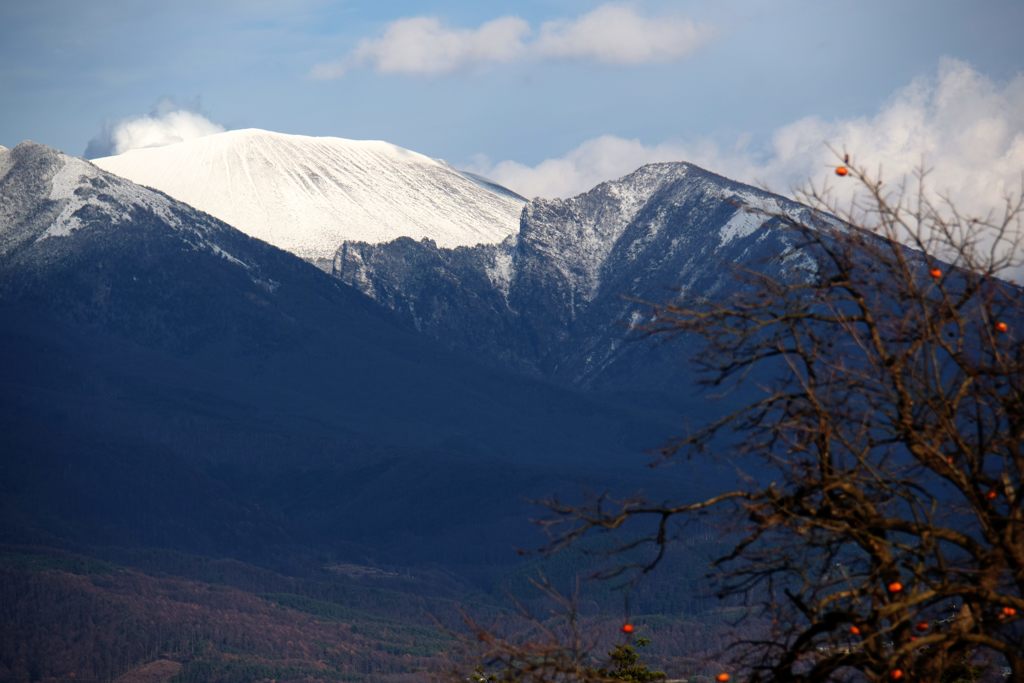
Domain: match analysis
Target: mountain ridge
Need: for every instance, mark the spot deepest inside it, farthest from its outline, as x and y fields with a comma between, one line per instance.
x=559, y=299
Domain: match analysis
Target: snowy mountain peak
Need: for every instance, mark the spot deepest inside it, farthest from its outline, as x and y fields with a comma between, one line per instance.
x=309, y=194
x=47, y=196
x=578, y=235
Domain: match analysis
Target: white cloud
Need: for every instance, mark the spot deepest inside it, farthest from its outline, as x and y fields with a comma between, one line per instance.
x=967, y=128
x=422, y=45
x=616, y=34
x=165, y=126
x=611, y=33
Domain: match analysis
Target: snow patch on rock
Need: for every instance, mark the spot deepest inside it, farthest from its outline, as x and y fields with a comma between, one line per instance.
x=742, y=224
x=502, y=270
x=5, y=161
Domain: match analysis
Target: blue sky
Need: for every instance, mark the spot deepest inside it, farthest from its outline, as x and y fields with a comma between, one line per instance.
x=716, y=80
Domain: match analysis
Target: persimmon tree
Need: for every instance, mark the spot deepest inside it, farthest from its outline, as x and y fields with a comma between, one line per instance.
x=879, y=530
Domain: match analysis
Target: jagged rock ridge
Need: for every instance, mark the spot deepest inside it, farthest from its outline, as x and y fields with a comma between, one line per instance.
x=559, y=298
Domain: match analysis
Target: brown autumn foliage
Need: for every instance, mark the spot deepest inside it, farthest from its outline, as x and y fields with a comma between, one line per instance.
x=71, y=618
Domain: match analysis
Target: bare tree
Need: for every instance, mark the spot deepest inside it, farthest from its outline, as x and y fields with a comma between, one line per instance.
x=880, y=529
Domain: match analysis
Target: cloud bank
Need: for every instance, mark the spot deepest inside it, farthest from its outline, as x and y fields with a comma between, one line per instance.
x=612, y=34
x=968, y=129
x=165, y=126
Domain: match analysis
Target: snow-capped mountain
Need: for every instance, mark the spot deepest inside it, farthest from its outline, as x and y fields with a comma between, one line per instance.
x=48, y=196
x=307, y=195
x=168, y=380
x=559, y=298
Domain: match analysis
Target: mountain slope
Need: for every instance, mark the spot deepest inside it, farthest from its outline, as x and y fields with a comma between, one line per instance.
x=559, y=299
x=170, y=381
x=307, y=194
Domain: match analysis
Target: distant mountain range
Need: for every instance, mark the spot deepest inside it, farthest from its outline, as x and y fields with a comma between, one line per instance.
x=552, y=289
x=307, y=195
x=177, y=393
x=140, y=326
x=196, y=387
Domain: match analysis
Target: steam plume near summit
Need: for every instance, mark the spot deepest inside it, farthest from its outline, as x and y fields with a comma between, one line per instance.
x=167, y=124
